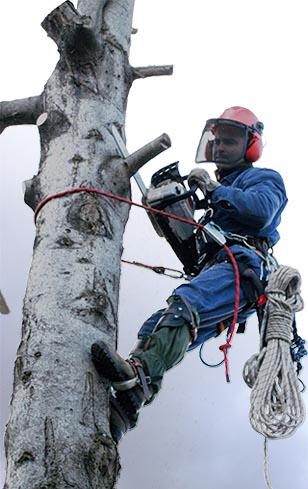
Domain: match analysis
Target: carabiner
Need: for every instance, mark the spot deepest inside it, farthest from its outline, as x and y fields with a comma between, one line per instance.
x=166, y=270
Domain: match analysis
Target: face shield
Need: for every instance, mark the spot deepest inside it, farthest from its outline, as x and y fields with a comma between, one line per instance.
x=223, y=141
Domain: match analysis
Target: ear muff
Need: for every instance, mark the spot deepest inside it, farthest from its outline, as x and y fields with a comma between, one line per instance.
x=254, y=148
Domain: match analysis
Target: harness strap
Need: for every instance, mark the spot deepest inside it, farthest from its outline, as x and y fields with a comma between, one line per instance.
x=179, y=312
x=140, y=379
x=260, y=244
x=253, y=288
x=144, y=380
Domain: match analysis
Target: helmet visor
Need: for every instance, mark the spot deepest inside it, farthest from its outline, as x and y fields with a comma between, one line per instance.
x=217, y=129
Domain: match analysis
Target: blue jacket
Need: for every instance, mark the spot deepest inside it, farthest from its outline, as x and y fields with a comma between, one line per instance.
x=250, y=202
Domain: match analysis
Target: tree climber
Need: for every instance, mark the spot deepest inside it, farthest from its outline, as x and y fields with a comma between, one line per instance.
x=246, y=204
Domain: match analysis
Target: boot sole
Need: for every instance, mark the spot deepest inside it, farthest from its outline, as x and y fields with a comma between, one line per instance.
x=108, y=367
x=106, y=363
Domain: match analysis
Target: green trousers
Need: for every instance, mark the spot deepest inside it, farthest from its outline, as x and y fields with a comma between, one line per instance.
x=164, y=349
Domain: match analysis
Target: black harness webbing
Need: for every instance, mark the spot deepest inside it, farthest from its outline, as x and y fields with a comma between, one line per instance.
x=253, y=288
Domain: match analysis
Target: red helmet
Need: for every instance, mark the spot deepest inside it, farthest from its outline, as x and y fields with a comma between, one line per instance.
x=239, y=117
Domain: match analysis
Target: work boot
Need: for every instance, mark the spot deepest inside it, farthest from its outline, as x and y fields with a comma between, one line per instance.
x=130, y=387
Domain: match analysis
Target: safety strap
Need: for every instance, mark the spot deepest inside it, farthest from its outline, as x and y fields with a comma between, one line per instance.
x=180, y=311
x=140, y=379
x=144, y=380
x=253, y=288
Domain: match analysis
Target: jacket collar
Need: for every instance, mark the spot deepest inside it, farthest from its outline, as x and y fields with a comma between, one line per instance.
x=230, y=174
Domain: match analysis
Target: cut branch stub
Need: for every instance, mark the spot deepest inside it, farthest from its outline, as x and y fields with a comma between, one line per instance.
x=146, y=71
x=3, y=305
x=72, y=32
x=22, y=111
x=32, y=192
x=140, y=157
x=65, y=14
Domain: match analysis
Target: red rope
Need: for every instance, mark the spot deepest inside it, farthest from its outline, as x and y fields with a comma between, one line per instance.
x=224, y=348
x=111, y=196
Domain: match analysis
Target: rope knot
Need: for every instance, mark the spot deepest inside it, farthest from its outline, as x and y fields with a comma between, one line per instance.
x=224, y=349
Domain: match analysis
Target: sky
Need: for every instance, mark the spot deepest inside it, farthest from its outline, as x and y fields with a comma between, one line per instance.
x=197, y=433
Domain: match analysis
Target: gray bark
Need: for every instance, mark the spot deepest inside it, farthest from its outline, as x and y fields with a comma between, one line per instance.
x=58, y=433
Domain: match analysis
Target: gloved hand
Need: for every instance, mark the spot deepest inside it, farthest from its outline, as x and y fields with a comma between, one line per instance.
x=202, y=178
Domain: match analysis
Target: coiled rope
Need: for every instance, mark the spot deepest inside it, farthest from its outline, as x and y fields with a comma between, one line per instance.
x=277, y=408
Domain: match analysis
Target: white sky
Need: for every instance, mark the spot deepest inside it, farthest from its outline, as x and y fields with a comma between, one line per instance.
x=197, y=434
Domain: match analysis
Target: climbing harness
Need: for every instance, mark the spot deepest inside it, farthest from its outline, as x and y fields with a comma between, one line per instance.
x=253, y=289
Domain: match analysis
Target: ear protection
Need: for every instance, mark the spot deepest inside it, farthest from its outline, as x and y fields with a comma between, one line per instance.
x=254, y=148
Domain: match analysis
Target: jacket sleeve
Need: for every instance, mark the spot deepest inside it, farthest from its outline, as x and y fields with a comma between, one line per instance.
x=255, y=199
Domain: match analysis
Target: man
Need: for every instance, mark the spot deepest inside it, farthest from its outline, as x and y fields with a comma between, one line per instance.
x=247, y=203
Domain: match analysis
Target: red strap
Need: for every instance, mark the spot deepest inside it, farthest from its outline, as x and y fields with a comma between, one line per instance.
x=224, y=348
x=115, y=197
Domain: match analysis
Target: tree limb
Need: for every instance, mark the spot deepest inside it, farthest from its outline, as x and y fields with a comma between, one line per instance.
x=140, y=157
x=22, y=111
x=73, y=33
x=146, y=71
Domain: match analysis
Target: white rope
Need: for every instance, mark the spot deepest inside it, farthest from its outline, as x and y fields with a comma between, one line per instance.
x=277, y=408
x=266, y=469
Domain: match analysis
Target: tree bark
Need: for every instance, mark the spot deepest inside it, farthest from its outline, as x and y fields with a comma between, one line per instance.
x=58, y=433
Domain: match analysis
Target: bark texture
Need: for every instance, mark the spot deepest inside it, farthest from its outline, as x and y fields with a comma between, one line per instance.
x=58, y=433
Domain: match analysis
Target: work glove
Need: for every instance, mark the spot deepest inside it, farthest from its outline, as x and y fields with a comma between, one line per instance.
x=202, y=178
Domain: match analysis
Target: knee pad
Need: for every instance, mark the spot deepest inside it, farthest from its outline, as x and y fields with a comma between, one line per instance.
x=179, y=313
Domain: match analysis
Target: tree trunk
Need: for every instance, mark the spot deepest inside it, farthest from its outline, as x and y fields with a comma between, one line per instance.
x=58, y=433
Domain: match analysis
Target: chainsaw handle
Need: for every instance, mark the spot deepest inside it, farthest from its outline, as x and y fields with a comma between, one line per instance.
x=177, y=198
x=192, y=192
x=199, y=203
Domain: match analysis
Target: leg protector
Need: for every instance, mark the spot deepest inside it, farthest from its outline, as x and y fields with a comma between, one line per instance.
x=141, y=345
x=180, y=312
